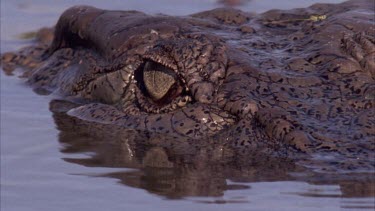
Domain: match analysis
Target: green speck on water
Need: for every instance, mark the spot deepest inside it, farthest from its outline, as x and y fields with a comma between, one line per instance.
x=27, y=35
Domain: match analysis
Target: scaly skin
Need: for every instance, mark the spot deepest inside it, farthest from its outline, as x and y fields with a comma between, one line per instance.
x=272, y=83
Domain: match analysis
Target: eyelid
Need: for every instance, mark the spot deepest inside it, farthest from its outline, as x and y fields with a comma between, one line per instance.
x=158, y=79
x=175, y=96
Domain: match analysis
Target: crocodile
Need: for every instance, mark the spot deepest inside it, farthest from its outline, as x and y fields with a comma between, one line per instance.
x=284, y=82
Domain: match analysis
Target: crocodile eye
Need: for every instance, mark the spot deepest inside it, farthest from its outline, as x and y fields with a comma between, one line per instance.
x=162, y=89
x=159, y=81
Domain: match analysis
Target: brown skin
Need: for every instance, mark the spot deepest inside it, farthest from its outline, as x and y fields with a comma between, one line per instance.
x=276, y=82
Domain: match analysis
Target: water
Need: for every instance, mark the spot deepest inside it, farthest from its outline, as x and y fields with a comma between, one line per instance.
x=42, y=170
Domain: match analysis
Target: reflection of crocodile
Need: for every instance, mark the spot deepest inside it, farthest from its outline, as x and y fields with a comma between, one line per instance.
x=179, y=168
x=272, y=82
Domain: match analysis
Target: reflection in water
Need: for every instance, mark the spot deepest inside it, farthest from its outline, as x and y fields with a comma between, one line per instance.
x=178, y=167
x=232, y=3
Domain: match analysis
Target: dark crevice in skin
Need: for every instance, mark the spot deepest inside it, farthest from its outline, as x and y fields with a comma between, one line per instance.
x=288, y=87
x=138, y=76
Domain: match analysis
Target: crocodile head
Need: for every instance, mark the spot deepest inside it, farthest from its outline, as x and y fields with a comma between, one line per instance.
x=282, y=79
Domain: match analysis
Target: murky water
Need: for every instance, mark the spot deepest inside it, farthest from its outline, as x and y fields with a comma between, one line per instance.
x=52, y=162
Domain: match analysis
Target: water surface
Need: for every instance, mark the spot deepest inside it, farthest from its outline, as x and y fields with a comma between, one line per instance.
x=50, y=163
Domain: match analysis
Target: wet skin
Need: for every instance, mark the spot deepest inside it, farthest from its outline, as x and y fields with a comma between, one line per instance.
x=276, y=83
